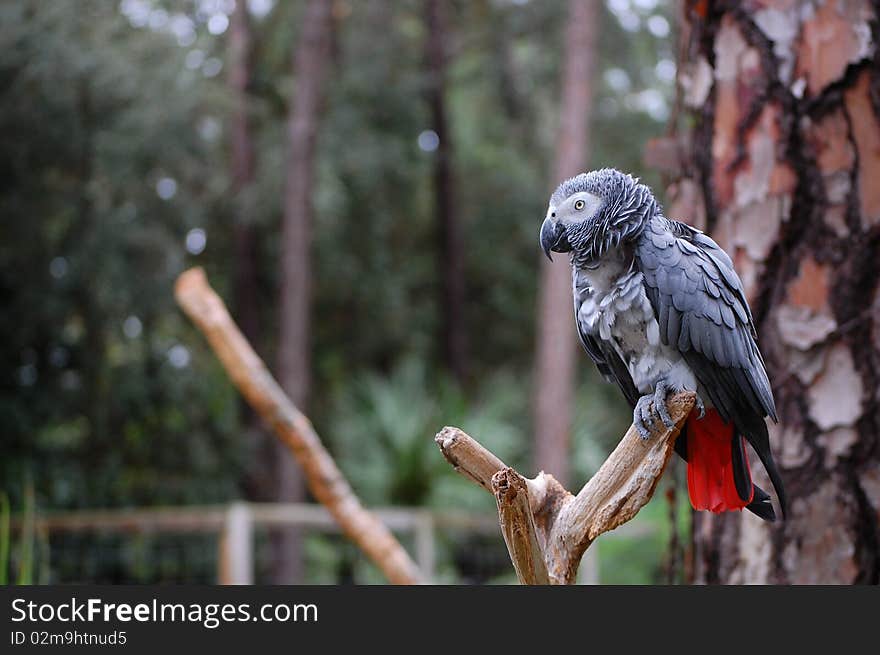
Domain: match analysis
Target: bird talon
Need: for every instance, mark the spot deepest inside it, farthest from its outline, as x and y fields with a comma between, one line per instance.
x=642, y=417
x=700, y=405
x=660, y=404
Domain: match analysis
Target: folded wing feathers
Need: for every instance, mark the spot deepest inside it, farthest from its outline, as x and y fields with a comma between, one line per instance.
x=702, y=311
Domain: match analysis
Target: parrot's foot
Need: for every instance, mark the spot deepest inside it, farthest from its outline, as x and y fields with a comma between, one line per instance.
x=650, y=407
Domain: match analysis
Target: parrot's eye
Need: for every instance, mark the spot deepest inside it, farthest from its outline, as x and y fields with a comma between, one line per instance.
x=579, y=204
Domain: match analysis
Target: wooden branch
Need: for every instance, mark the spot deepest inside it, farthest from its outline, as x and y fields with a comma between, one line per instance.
x=468, y=457
x=546, y=528
x=259, y=388
x=518, y=527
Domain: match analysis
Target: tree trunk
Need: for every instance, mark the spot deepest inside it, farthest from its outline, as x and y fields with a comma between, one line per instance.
x=556, y=351
x=783, y=170
x=294, y=362
x=256, y=484
x=242, y=172
x=450, y=263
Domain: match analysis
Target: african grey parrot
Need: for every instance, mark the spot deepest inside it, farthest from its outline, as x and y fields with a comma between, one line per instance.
x=659, y=308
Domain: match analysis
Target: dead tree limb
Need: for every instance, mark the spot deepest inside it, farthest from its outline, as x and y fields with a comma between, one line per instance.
x=326, y=482
x=518, y=527
x=546, y=528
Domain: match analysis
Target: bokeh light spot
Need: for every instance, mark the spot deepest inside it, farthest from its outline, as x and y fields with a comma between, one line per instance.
x=58, y=267
x=429, y=140
x=166, y=188
x=178, y=356
x=196, y=240
x=132, y=327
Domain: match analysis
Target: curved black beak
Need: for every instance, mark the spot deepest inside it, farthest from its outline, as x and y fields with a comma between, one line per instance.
x=553, y=238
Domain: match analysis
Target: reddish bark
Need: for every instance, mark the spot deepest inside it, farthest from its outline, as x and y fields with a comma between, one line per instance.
x=785, y=155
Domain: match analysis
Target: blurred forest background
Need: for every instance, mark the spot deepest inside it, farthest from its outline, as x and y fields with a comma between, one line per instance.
x=363, y=183
x=145, y=136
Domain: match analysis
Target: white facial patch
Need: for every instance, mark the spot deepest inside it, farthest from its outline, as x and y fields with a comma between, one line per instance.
x=581, y=206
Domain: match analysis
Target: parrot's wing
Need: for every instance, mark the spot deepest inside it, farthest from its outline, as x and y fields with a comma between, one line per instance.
x=606, y=359
x=702, y=312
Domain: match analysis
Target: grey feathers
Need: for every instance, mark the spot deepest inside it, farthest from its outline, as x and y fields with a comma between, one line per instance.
x=702, y=311
x=656, y=299
x=627, y=206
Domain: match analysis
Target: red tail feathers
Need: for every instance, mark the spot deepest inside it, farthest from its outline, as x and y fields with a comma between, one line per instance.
x=710, y=464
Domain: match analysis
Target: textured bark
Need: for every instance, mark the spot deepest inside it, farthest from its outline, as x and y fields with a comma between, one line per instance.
x=294, y=362
x=518, y=527
x=556, y=349
x=783, y=170
x=450, y=262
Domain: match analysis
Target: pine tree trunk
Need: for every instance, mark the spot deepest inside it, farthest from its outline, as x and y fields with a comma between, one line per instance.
x=255, y=483
x=242, y=172
x=294, y=362
x=556, y=349
x=450, y=261
x=783, y=169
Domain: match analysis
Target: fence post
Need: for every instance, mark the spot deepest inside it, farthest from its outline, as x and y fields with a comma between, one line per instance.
x=424, y=538
x=589, y=569
x=235, y=564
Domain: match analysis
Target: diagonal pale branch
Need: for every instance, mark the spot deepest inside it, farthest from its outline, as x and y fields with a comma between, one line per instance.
x=259, y=388
x=561, y=525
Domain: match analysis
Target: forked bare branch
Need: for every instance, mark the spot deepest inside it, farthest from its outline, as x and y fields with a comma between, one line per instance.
x=546, y=528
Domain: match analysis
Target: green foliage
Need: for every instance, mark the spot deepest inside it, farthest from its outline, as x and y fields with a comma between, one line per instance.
x=382, y=429
x=93, y=399
x=114, y=148
x=5, y=536
x=28, y=539
x=643, y=559
x=29, y=557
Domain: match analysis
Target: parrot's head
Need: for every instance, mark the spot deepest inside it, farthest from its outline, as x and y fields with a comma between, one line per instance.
x=596, y=212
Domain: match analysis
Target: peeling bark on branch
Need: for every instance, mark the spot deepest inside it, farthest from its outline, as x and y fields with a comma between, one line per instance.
x=256, y=384
x=546, y=528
